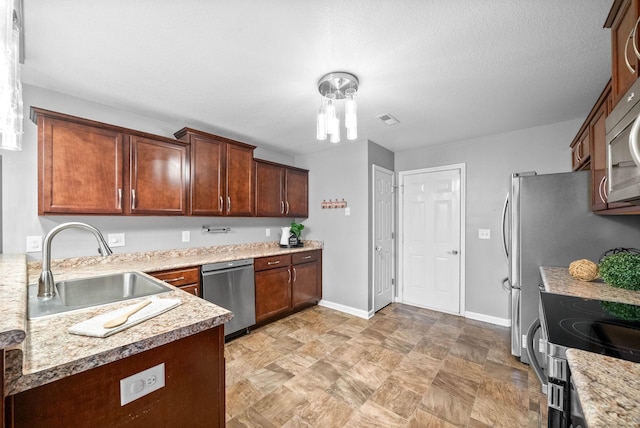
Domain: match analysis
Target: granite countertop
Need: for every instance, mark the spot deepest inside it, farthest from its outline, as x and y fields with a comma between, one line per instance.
x=558, y=280
x=41, y=350
x=608, y=388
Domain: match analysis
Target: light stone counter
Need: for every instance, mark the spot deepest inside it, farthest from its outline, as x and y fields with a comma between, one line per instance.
x=608, y=389
x=41, y=350
x=558, y=281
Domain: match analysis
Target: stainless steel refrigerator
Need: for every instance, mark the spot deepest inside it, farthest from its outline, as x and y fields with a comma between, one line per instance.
x=547, y=221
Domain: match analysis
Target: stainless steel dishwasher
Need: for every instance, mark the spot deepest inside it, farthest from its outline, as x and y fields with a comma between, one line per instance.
x=231, y=285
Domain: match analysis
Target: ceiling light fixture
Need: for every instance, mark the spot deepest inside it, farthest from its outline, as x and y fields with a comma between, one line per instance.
x=332, y=87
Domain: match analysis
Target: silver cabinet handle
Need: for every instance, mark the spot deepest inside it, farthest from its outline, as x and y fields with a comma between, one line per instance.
x=228, y=204
x=120, y=198
x=306, y=257
x=601, y=189
x=454, y=252
x=295, y=274
x=289, y=281
x=281, y=207
x=180, y=278
x=287, y=204
x=133, y=199
x=220, y=203
x=632, y=35
x=273, y=263
x=577, y=152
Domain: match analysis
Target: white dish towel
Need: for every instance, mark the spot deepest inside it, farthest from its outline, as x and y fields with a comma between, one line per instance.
x=94, y=326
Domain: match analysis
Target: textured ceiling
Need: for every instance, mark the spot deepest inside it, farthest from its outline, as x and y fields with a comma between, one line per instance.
x=248, y=69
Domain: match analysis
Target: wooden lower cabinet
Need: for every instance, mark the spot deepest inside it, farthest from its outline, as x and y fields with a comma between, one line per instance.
x=193, y=395
x=187, y=279
x=287, y=283
x=273, y=293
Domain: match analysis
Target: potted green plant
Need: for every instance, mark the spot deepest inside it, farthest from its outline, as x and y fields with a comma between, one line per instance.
x=621, y=270
x=296, y=231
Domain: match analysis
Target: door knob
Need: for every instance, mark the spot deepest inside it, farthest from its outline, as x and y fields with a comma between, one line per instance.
x=378, y=248
x=454, y=252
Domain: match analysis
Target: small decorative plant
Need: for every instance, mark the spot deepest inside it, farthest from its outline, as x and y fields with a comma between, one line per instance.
x=296, y=229
x=621, y=270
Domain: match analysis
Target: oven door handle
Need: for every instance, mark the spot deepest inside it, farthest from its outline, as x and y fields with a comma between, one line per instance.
x=535, y=326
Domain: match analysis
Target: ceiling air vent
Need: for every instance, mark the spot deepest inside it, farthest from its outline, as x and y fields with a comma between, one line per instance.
x=388, y=119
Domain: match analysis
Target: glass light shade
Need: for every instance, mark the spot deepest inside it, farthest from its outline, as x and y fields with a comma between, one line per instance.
x=352, y=133
x=321, y=125
x=333, y=126
x=11, y=116
x=9, y=141
x=335, y=137
x=350, y=113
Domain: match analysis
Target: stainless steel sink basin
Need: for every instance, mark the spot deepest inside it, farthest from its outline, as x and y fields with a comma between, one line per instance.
x=86, y=292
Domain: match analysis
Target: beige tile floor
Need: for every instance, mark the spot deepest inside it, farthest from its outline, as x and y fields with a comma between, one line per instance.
x=405, y=367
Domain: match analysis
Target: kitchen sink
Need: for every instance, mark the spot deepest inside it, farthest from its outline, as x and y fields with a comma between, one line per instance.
x=94, y=291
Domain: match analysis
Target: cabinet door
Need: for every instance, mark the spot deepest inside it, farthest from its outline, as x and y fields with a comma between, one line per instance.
x=273, y=293
x=80, y=168
x=304, y=286
x=207, y=175
x=622, y=49
x=269, y=190
x=158, y=177
x=598, y=158
x=296, y=189
x=239, y=180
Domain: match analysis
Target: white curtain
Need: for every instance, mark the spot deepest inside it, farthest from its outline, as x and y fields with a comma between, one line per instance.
x=11, y=115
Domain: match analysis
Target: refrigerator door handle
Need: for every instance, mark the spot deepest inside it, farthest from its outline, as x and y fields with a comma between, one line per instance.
x=516, y=327
x=505, y=249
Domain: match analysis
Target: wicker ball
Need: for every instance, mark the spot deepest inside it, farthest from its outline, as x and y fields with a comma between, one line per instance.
x=584, y=270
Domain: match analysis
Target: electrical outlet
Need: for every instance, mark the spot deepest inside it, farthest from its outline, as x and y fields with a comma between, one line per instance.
x=116, y=239
x=141, y=384
x=268, y=232
x=34, y=244
x=186, y=236
x=484, y=233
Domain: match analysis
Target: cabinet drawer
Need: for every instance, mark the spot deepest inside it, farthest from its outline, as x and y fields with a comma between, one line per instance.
x=178, y=277
x=305, y=257
x=271, y=262
x=192, y=288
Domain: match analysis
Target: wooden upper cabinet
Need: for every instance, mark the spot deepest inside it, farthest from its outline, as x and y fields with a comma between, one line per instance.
x=158, y=172
x=80, y=167
x=623, y=19
x=281, y=191
x=221, y=174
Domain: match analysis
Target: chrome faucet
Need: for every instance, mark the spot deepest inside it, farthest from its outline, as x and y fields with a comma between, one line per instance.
x=45, y=283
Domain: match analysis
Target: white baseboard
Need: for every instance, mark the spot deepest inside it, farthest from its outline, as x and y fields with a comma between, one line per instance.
x=504, y=322
x=346, y=309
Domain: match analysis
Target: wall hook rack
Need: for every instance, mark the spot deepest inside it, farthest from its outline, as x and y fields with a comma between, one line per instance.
x=333, y=204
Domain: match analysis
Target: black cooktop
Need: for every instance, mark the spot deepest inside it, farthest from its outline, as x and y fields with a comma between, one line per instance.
x=599, y=326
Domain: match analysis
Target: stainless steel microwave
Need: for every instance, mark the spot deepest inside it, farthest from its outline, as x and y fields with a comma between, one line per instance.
x=623, y=148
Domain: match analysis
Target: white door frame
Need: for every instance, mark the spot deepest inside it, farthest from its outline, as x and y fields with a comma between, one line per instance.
x=463, y=253
x=394, y=291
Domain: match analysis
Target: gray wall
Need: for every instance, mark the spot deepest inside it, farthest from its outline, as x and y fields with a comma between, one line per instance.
x=336, y=173
x=20, y=188
x=490, y=161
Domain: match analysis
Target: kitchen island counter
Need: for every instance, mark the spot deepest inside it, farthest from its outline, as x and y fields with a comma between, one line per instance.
x=608, y=388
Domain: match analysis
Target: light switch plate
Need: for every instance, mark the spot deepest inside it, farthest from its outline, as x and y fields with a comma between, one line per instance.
x=115, y=239
x=484, y=233
x=141, y=384
x=186, y=236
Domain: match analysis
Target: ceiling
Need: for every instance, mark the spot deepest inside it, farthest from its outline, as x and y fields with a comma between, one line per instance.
x=448, y=70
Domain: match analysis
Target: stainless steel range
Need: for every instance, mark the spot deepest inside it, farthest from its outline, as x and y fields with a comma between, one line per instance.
x=598, y=326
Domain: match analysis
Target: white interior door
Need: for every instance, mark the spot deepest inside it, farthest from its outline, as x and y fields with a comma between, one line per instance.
x=431, y=246
x=382, y=237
